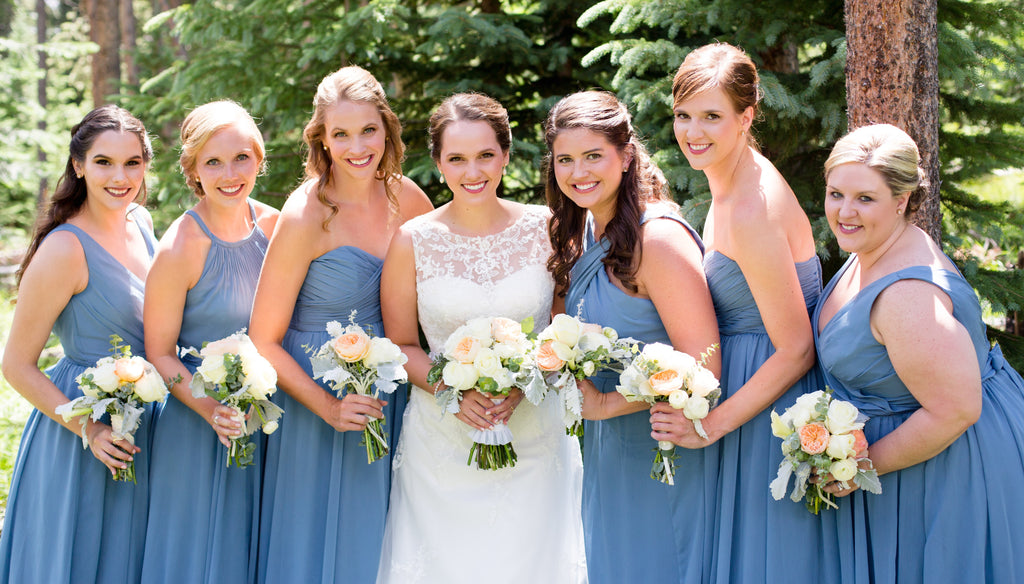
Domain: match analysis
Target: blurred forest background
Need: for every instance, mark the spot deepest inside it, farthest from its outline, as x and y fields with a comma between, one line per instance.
x=160, y=58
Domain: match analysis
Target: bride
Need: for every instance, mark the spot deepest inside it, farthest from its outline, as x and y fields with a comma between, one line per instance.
x=477, y=256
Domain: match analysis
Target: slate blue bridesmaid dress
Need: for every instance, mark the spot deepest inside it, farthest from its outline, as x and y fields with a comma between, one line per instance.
x=959, y=516
x=759, y=539
x=203, y=515
x=324, y=506
x=636, y=529
x=67, y=520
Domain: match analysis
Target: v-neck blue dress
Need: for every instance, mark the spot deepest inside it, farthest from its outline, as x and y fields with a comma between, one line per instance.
x=67, y=520
x=958, y=516
x=635, y=528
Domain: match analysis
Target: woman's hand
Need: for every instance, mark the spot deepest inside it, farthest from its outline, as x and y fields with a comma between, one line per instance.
x=115, y=454
x=473, y=408
x=352, y=412
x=502, y=411
x=227, y=422
x=669, y=424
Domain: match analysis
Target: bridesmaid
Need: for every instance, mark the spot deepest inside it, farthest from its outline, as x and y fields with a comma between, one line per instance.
x=900, y=335
x=83, y=277
x=323, y=509
x=204, y=517
x=764, y=278
x=624, y=258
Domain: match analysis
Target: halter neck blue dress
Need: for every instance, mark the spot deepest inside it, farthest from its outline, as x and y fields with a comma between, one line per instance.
x=204, y=516
x=67, y=520
x=755, y=535
x=636, y=529
x=958, y=516
x=324, y=507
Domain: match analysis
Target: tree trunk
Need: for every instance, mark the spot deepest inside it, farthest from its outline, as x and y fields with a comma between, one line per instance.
x=105, y=31
x=128, y=24
x=41, y=97
x=892, y=77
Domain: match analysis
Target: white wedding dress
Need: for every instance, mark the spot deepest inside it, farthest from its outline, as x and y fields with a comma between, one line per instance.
x=448, y=522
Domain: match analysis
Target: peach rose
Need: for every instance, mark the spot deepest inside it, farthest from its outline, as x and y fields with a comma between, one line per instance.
x=506, y=330
x=547, y=358
x=814, y=438
x=466, y=349
x=860, y=442
x=129, y=368
x=666, y=381
x=352, y=347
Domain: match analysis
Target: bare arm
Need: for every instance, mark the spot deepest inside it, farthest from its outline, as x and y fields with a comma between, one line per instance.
x=57, y=272
x=176, y=269
x=284, y=270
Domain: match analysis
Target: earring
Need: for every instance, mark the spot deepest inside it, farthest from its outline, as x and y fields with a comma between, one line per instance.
x=899, y=211
x=441, y=180
x=78, y=175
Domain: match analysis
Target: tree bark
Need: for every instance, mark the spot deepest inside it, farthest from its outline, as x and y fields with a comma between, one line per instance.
x=892, y=77
x=128, y=38
x=105, y=31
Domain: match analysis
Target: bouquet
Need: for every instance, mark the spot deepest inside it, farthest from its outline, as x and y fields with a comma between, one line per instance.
x=118, y=386
x=368, y=365
x=493, y=356
x=660, y=373
x=821, y=435
x=235, y=374
x=569, y=350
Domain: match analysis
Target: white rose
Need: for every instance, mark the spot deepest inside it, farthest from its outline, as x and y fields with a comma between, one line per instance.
x=841, y=446
x=696, y=408
x=270, y=427
x=659, y=352
x=702, y=381
x=480, y=328
x=260, y=376
x=565, y=329
x=487, y=364
x=459, y=376
x=382, y=350
x=800, y=413
x=510, y=349
x=634, y=382
x=843, y=470
x=105, y=377
x=592, y=341
x=588, y=368
x=150, y=387
x=842, y=417
x=677, y=399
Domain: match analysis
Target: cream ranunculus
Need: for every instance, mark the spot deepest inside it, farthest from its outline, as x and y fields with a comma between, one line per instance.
x=213, y=370
x=382, y=350
x=702, y=381
x=842, y=417
x=696, y=408
x=459, y=376
x=677, y=399
x=588, y=368
x=565, y=329
x=150, y=387
x=843, y=470
x=841, y=446
x=270, y=427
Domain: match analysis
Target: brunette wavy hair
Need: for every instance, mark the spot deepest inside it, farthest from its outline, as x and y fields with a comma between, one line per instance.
x=352, y=83
x=70, y=193
x=642, y=183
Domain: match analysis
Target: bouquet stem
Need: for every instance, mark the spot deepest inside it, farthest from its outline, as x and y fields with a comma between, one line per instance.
x=128, y=473
x=374, y=440
x=576, y=429
x=492, y=456
x=664, y=467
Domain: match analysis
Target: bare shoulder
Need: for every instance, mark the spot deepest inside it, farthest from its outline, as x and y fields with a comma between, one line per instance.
x=412, y=201
x=59, y=261
x=666, y=234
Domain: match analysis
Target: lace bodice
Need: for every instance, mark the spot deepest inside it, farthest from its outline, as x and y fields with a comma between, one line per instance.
x=461, y=277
